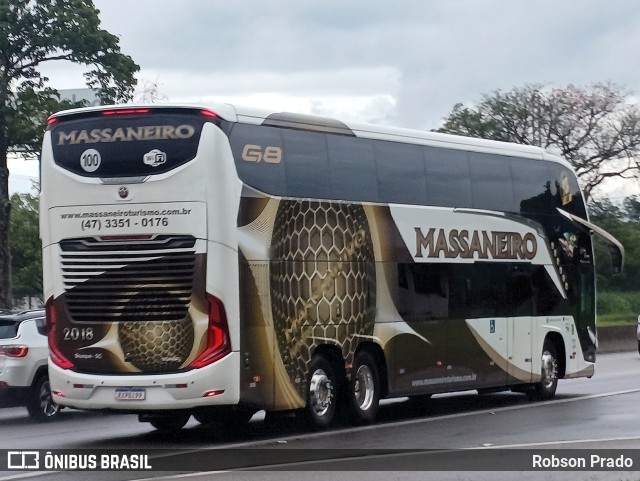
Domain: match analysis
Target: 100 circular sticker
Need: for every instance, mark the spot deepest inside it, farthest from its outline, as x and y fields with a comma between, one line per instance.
x=90, y=160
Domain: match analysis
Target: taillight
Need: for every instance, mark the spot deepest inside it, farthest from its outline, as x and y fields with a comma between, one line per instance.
x=125, y=111
x=14, y=351
x=218, y=342
x=209, y=113
x=56, y=356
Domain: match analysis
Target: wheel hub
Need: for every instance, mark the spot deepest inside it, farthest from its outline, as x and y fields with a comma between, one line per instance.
x=549, y=369
x=321, y=392
x=363, y=388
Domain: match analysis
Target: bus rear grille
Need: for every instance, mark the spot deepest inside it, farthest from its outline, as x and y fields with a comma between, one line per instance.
x=128, y=281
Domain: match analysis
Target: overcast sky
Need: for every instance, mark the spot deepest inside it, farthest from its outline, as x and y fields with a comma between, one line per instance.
x=403, y=63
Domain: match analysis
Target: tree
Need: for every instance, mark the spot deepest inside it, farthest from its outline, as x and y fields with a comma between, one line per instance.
x=31, y=33
x=26, y=252
x=597, y=129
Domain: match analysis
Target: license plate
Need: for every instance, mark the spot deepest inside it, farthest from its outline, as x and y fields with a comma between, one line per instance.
x=130, y=394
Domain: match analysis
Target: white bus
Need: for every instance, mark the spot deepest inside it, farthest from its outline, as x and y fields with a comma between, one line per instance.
x=214, y=261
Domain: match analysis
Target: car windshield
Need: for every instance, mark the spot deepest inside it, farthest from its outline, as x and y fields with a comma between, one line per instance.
x=8, y=328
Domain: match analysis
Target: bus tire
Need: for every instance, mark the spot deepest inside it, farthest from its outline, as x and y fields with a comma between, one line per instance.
x=364, y=389
x=546, y=388
x=170, y=422
x=322, y=393
x=40, y=405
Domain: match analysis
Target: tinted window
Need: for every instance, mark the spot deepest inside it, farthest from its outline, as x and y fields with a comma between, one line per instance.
x=248, y=143
x=423, y=291
x=352, y=168
x=401, y=176
x=306, y=163
x=480, y=290
x=448, y=181
x=41, y=325
x=567, y=191
x=134, y=145
x=491, y=183
x=532, y=187
x=8, y=329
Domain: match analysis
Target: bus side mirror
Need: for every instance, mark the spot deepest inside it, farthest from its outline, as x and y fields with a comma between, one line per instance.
x=616, y=260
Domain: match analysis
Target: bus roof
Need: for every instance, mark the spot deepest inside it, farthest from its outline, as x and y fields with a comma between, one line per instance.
x=236, y=113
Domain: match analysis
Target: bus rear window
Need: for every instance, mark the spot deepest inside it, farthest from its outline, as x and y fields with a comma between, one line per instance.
x=136, y=144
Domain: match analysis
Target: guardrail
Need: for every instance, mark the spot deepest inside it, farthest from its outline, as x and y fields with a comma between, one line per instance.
x=617, y=338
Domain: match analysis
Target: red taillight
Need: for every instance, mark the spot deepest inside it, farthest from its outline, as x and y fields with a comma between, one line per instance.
x=125, y=111
x=209, y=113
x=213, y=393
x=52, y=120
x=14, y=351
x=56, y=356
x=218, y=342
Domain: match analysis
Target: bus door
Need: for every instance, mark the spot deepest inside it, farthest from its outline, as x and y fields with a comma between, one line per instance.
x=520, y=302
x=478, y=329
x=420, y=358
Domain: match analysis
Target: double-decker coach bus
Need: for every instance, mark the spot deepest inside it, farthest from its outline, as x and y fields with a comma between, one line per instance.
x=215, y=261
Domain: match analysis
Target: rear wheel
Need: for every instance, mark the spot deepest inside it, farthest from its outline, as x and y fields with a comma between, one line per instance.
x=364, y=389
x=167, y=422
x=40, y=404
x=546, y=388
x=322, y=393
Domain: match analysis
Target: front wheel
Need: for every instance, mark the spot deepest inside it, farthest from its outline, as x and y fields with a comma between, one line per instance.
x=546, y=388
x=364, y=389
x=40, y=404
x=322, y=393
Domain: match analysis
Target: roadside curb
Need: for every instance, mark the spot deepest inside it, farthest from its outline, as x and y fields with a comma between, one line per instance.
x=617, y=339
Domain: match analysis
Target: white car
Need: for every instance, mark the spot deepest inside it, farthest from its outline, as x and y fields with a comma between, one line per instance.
x=24, y=379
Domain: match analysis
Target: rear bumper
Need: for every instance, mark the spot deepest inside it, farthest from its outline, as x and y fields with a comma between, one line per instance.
x=184, y=390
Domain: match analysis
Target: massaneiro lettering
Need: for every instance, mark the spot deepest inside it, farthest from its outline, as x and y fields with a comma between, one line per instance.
x=125, y=134
x=481, y=244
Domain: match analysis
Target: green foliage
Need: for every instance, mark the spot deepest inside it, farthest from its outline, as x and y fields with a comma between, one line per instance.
x=611, y=302
x=617, y=319
x=624, y=225
x=27, y=118
x=26, y=250
x=43, y=30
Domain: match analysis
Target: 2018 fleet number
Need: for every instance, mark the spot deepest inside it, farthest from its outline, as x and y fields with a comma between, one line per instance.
x=75, y=334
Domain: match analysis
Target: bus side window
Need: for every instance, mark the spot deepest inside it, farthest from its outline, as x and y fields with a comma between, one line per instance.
x=491, y=182
x=307, y=164
x=401, y=175
x=448, y=178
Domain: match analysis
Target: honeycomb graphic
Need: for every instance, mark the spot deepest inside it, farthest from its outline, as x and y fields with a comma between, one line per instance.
x=322, y=279
x=156, y=346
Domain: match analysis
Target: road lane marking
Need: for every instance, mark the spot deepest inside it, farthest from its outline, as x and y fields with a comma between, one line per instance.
x=303, y=436
x=566, y=441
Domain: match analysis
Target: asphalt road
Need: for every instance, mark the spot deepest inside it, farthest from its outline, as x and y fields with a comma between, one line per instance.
x=587, y=414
